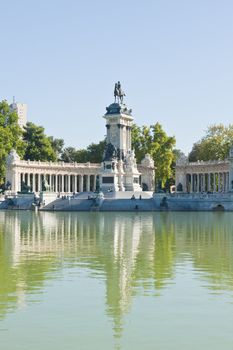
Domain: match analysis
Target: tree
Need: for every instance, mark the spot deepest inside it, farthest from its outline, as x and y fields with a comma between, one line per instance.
x=96, y=151
x=57, y=145
x=37, y=145
x=214, y=145
x=93, y=153
x=154, y=140
x=10, y=135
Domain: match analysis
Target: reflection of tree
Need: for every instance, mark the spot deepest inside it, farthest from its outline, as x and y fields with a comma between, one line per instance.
x=132, y=252
x=209, y=240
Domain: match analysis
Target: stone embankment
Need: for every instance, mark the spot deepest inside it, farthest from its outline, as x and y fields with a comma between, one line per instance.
x=129, y=201
x=126, y=201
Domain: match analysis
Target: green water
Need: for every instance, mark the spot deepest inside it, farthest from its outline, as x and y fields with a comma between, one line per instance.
x=116, y=281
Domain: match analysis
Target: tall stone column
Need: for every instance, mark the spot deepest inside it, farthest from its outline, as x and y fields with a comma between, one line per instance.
x=34, y=182
x=39, y=181
x=68, y=183
x=62, y=183
x=204, y=183
x=55, y=183
x=88, y=183
x=80, y=183
x=198, y=182
x=191, y=183
x=28, y=179
x=208, y=186
x=94, y=183
x=75, y=183
x=218, y=182
x=58, y=183
x=214, y=182
x=19, y=182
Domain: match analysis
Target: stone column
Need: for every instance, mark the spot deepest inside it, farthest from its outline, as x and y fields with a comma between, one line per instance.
x=218, y=182
x=62, y=183
x=208, y=186
x=34, y=182
x=38, y=183
x=58, y=183
x=28, y=179
x=198, y=182
x=214, y=189
x=94, y=183
x=68, y=180
x=19, y=182
x=204, y=183
x=23, y=178
x=88, y=183
x=80, y=183
x=75, y=183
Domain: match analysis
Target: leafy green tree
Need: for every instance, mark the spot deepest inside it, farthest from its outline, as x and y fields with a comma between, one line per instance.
x=153, y=140
x=214, y=145
x=10, y=135
x=57, y=145
x=37, y=145
x=93, y=153
x=96, y=151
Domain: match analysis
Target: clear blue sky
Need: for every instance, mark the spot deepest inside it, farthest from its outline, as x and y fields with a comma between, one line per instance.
x=174, y=59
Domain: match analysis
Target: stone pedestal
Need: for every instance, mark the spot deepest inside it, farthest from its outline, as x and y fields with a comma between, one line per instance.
x=109, y=176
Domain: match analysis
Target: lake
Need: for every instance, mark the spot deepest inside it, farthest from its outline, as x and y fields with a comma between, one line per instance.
x=116, y=281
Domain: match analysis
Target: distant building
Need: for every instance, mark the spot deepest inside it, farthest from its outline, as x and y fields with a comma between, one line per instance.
x=21, y=110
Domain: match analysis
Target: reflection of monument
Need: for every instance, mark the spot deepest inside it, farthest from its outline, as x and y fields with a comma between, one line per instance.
x=119, y=170
x=131, y=253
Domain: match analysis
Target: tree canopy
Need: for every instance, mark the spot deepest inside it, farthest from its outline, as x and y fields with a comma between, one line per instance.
x=93, y=153
x=214, y=145
x=10, y=135
x=38, y=146
x=154, y=141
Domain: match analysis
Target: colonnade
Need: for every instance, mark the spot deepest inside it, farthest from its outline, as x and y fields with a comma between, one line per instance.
x=59, y=183
x=207, y=182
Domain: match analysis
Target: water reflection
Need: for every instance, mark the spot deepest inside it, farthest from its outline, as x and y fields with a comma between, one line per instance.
x=132, y=254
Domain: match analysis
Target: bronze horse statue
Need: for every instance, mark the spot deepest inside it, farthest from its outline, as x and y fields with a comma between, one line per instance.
x=118, y=92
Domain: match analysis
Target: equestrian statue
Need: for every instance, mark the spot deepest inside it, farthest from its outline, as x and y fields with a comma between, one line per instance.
x=118, y=93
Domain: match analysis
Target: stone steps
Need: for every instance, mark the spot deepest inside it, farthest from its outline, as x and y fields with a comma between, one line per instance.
x=128, y=205
x=69, y=205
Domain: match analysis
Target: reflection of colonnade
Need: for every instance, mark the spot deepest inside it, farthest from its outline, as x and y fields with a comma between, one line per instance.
x=129, y=250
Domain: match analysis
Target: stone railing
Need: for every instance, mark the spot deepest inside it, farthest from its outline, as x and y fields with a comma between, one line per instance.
x=203, y=195
x=202, y=162
x=56, y=164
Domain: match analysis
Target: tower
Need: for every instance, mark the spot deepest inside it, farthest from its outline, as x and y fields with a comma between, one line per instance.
x=119, y=168
x=21, y=110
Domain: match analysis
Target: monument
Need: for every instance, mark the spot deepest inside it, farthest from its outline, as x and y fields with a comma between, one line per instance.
x=117, y=172
x=119, y=168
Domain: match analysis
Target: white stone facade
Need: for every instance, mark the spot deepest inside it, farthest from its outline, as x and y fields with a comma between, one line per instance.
x=211, y=176
x=61, y=177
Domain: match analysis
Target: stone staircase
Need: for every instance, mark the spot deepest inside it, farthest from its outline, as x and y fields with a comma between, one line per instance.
x=128, y=205
x=69, y=205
